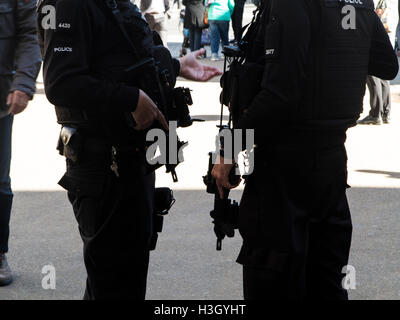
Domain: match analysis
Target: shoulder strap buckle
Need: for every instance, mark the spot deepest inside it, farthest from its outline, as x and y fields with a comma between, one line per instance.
x=112, y=4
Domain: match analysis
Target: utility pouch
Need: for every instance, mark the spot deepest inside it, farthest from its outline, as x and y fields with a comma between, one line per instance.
x=163, y=201
x=240, y=85
x=70, y=143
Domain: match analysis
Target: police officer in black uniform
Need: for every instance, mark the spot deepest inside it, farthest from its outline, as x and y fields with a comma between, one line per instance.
x=87, y=45
x=294, y=216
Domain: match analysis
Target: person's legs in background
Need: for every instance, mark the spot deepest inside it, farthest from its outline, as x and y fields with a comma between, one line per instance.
x=376, y=97
x=387, y=101
x=237, y=18
x=195, y=38
x=219, y=33
x=376, y=101
x=215, y=38
x=6, y=196
x=191, y=37
x=224, y=32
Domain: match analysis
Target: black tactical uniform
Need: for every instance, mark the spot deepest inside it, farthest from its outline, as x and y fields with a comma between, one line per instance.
x=294, y=216
x=84, y=59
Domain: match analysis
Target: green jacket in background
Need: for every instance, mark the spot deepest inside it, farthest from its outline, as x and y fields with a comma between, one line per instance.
x=220, y=9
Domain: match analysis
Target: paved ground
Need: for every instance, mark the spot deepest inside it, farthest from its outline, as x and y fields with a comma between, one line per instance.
x=186, y=265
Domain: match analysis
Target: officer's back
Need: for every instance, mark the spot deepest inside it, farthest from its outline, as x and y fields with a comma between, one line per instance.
x=317, y=56
x=294, y=216
x=348, y=42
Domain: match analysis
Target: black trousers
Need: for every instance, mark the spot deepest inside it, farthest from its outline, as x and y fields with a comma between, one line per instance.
x=295, y=223
x=114, y=218
x=237, y=18
x=380, y=99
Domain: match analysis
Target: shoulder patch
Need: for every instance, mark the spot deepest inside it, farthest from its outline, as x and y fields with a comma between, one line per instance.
x=366, y=4
x=68, y=15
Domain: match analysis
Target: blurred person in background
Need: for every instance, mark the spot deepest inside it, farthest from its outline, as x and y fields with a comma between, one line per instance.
x=219, y=16
x=380, y=102
x=237, y=19
x=397, y=43
x=19, y=66
x=380, y=98
x=155, y=12
x=398, y=26
x=194, y=22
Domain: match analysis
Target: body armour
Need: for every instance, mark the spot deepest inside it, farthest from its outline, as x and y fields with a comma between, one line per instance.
x=339, y=59
x=85, y=58
x=305, y=65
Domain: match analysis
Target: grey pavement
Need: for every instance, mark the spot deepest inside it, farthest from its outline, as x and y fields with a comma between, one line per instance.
x=186, y=264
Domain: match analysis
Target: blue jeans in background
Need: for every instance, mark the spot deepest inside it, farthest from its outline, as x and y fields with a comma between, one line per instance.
x=6, y=195
x=219, y=32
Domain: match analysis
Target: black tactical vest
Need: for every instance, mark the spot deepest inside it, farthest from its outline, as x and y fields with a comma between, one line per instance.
x=241, y=82
x=337, y=66
x=339, y=58
x=111, y=65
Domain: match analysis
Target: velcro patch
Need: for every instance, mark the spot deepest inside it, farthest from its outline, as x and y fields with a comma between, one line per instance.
x=366, y=4
x=269, y=52
x=272, y=43
x=67, y=16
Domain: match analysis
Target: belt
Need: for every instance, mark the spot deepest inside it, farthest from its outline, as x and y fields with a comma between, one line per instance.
x=313, y=139
x=71, y=116
x=95, y=146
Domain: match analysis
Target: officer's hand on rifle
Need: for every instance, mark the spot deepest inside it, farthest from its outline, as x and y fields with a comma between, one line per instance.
x=221, y=172
x=192, y=69
x=17, y=101
x=146, y=112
